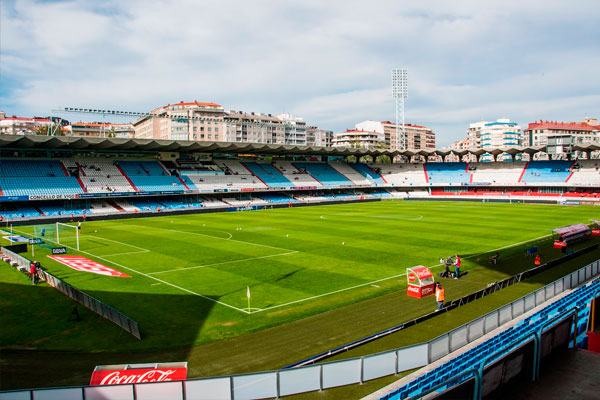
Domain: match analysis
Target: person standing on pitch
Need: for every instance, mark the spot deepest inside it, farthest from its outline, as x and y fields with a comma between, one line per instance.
x=439, y=296
x=457, y=267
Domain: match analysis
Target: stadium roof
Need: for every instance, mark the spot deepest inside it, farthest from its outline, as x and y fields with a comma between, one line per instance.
x=76, y=143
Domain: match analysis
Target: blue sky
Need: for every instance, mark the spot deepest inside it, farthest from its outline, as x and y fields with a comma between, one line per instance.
x=328, y=62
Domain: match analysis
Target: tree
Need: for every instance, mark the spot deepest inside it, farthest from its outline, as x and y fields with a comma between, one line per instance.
x=55, y=130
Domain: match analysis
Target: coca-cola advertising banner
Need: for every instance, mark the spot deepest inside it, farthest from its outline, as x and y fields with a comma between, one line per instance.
x=112, y=375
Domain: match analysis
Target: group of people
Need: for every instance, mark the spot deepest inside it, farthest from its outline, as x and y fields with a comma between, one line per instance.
x=448, y=262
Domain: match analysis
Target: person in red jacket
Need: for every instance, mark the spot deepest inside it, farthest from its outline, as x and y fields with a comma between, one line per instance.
x=457, y=267
x=538, y=260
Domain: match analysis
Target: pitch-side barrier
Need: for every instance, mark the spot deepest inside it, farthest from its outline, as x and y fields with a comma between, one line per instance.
x=275, y=384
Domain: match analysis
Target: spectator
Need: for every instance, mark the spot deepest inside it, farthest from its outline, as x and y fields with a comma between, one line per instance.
x=457, y=267
x=494, y=259
x=439, y=296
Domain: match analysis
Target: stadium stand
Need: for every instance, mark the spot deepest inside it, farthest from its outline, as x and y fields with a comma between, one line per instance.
x=402, y=174
x=447, y=173
x=294, y=175
x=503, y=342
x=502, y=173
x=324, y=174
x=351, y=173
x=151, y=176
x=268, y=174
x=555, y=171
x=368, y=172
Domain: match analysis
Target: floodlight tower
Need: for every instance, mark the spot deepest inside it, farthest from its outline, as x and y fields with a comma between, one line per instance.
x=399, y=93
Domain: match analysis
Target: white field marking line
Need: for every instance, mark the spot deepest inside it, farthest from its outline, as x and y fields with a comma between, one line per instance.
x=216, y=237
x=392, y=277
x=151, y=277
x=154, y=284
x=221, y=263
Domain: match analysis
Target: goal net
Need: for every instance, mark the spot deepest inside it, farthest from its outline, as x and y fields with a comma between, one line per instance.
x=67, y=235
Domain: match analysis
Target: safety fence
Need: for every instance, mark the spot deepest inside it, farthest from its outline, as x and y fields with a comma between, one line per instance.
x=82, y=298
x=273, y=384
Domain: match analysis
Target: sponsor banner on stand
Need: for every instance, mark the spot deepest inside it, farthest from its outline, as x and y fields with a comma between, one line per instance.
x=113, y=375
x=53, y=196
x=83, y=264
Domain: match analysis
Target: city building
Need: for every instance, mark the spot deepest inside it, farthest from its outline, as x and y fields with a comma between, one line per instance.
x=318, y=137
x=417, y=136
x=474, y=134
x=20, y=125
x=295, y=129
x=499, y=134
x=359, y=139
x=183, y=121
x=585, y=132
x=253, y=127
x=460, y=145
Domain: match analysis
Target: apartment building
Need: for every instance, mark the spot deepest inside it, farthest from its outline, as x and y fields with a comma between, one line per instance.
x=359, y=139
x=417, y=136
x=194, y=121
x=318, y=137
x=586, y=132
x=20, y=125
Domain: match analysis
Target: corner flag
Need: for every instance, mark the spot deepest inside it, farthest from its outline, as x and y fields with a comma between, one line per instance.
x=248, y=296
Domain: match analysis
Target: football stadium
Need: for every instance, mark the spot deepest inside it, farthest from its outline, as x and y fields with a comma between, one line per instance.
x=154, y=269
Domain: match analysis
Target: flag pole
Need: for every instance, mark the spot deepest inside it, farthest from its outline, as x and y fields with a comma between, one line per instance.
x=248, y=296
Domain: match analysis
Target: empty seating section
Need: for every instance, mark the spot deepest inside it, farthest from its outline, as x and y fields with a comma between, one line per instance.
x=369, y=173
x=294, y=175
x=100, y=175
x=36, y=177
x=502, y=173
x=547, y=171
x=585, y=173
x=34, y=168
x=324, y=173
x=19, y=212
x=402, y=174
x=232, y=167
x=351, y=173
x=150, y=176
x=146, y=205
x=503, y=342
x=447, y=173
x=275, y=198
x=268, y=174
x=209, y=182
x=55, y=210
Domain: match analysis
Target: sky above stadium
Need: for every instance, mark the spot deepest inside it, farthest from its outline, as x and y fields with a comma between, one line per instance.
x=328, y=62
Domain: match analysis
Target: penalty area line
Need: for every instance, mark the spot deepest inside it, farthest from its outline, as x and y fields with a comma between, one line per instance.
x=151, y=277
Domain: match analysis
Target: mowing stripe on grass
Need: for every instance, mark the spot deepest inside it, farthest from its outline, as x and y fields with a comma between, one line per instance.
x=216, y=237
x=221, y=263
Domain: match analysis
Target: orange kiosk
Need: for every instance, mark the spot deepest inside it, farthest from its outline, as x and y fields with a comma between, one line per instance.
x=420, y=282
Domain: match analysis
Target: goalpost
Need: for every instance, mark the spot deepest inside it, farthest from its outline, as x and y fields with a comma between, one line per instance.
x=65, y=233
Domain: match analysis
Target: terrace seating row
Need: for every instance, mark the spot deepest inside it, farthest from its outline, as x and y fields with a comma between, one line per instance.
x=268, y=174
x=324, y=174
x=370, y=174
x=294, y=175
x=547, y=171
x=402, y=174
x=502, y=342
x=31, y=168
x=351, y=173
x=447, y=173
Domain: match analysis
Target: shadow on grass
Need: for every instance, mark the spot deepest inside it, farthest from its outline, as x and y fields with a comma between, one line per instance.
x=35, y=318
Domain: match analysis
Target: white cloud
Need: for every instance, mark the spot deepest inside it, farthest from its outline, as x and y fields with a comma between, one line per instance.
x=329, y=63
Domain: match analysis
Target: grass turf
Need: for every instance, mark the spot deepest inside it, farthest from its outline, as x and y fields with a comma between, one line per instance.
x=304, y=271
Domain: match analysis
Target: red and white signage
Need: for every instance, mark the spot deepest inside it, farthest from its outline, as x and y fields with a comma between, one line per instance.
x=420, y=282
x=112, y=375
x=86, y=265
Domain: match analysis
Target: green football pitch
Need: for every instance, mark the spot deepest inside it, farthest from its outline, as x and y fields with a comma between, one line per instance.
x=190, y=274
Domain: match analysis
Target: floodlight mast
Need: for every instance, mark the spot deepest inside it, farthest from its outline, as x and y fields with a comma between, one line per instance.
x=399, y=93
